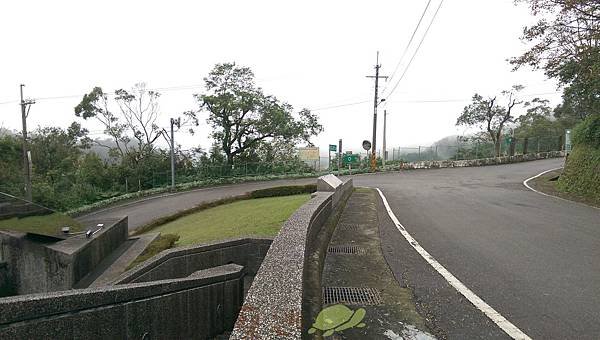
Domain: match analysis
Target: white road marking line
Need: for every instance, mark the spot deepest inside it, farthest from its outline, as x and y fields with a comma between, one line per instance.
x=538, y=175
x=490, y=312
x=558, y=198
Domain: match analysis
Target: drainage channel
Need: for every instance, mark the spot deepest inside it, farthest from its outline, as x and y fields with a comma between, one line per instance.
x=346, y=249
x=351, y=296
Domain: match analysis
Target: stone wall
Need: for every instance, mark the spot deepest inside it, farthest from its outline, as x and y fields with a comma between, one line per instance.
x=475, y=162
x=273, y=306
x=199, y=306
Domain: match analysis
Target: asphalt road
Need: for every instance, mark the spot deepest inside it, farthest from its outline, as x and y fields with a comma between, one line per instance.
x=146, y=210
x=535, y=259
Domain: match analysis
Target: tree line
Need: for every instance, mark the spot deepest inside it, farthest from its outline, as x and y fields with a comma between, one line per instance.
x=564, y=43
x=247, y=126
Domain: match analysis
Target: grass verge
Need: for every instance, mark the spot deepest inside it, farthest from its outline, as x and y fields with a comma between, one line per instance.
x=256, y=217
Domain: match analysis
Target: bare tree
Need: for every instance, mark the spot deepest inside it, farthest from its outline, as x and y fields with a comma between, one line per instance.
x=491, y=116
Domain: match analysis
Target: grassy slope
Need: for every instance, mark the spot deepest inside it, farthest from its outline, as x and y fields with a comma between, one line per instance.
x=258, y=217
x=44, y=224
x=581, y=176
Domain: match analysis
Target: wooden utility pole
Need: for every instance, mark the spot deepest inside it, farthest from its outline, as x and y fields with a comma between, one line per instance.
x=375, y=104
x=25, y=106
x=173, y=122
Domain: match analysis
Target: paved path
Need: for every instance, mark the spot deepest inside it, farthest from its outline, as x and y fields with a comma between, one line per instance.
x=146, y=210
x=535, y=259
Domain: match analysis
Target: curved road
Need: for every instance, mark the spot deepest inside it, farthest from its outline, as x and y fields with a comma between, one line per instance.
x=533, y=258
x=146, y=210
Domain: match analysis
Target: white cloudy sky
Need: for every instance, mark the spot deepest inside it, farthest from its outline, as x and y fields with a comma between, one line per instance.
x=309, y=53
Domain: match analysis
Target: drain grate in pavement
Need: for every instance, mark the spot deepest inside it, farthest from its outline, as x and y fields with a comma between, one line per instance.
x=351, y=296
x=346, y=250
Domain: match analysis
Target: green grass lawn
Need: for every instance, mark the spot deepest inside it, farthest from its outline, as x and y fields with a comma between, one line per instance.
x=253, y=217
x=50, y=224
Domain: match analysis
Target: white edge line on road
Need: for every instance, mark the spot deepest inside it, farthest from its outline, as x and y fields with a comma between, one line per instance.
x=490, y=312
x=539, y=192
x=558, y=198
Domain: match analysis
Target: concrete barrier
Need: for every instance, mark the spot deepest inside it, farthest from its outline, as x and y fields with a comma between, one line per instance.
x=273, y=308
x=39, y=265
x=181, y=262
x=200, y=306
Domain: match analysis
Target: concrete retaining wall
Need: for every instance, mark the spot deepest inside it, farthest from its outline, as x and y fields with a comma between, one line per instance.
x=6, y=287
x=273, y=306
x=38, y=265
x=180, y=262
x=199, y=306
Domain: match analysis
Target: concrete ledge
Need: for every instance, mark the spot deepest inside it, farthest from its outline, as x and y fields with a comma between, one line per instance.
x=199, y=306
x=181, y=262
x=37, y=267
x=273, y=306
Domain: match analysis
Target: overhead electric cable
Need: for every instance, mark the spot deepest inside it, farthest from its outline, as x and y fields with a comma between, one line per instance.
x=408, y=45
x=416, y=50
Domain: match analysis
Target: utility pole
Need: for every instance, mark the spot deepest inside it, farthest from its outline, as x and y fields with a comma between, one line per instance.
x=339, y=155
x=384, y=132
x=25, y=106
x=178, y=123
x=376, y=103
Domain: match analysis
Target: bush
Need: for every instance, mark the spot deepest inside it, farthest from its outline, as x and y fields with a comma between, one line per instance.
x=284, y=191
x=588, y=132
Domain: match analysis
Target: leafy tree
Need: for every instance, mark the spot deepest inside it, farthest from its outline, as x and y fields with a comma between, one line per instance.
x=243, y=117
x=11, y=171
x=490, y=116
x=566, y=45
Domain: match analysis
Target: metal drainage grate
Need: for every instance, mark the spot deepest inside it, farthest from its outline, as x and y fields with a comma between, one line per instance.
x=351, y=296
x=346, y=250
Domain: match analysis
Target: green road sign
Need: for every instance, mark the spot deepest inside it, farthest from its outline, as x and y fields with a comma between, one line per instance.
x=332, y=147
x=350, y=159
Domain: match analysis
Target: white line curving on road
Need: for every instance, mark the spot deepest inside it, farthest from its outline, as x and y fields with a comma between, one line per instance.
x=538, y=175
x=510, y=329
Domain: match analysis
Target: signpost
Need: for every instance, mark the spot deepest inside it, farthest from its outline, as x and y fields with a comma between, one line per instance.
x=332, y=147
x=568, y=144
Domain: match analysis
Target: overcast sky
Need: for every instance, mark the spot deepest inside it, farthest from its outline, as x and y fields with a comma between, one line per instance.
x=311, y=54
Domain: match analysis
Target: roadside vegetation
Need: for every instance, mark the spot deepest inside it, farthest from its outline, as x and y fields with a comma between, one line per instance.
x=581, y=176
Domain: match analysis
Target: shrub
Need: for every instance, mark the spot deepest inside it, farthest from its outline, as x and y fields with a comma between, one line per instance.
x=284, y=191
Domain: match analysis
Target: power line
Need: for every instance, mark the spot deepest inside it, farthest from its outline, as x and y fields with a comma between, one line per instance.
x=340, y=105
x=408, y=45
x=416, y=50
